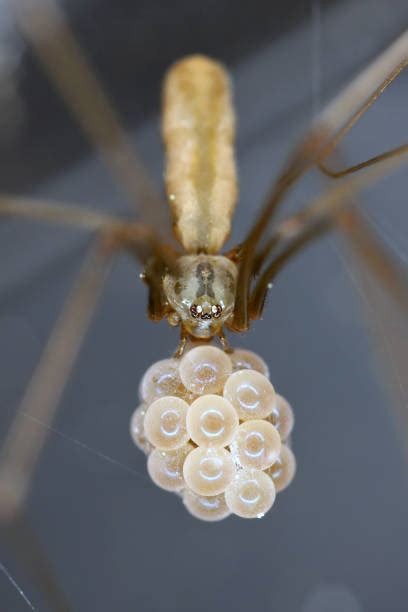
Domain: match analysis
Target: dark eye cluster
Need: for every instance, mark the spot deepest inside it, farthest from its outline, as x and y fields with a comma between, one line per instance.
x=197, y=312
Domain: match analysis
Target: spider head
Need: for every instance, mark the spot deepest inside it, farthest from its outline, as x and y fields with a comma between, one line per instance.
x=202, y=293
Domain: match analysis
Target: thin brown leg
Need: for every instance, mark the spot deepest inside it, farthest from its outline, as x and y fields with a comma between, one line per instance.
x=153, y=277
x=45, y=27
x=263, y=254
x=137, y=238
x=384, y=286
x=365, y=164
x=56, y=213
x=363, y=108
x=184, y=336
x=226, y=347
x=307, y=236
x=27, y=434
x=20, y=536
x=326, y=134
x=358, y=96
x=368, y=247
x=30, y=426
x=333, y=199
x=304, y=158
x=295, y=232
x=25, y=441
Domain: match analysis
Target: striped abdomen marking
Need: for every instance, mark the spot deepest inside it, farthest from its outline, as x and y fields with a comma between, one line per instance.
x=198, y=131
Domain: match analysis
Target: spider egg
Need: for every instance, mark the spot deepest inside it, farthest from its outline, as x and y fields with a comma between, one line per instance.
x=282, y=417
x=256, y=444
x=165, y=468
x=251, y=394
x=205, y=369
x=251, y=494
x=162, y=378
x=137, y=429
x=283, y=470
x=248, y=360
x=165, y=423
x=210, y=508
x=208, y=471
x=212, y=421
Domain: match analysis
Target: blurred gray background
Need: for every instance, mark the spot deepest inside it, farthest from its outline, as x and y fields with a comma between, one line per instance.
x=336, y=540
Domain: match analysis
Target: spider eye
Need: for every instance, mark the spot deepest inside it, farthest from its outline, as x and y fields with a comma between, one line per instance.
x=216, y=311
x=196, y=310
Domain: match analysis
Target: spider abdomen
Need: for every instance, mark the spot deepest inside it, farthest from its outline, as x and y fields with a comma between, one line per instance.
x=198, y=130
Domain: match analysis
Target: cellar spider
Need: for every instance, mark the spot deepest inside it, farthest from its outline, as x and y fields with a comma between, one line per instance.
x=258, y=259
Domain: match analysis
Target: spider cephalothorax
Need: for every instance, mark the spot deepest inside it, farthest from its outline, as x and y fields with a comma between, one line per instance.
x=202, y=292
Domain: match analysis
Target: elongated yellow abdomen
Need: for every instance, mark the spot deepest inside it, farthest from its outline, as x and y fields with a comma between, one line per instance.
x=198, y=131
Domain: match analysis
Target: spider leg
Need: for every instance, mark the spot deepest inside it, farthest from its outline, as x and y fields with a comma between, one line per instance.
x=391, y=276
x=400, y=48
x=27, y=434
x=153, y=276
x=365, y=164
x=304, y=157
x=323, y=138
x=225, y=345
x=184, y=336
x=138, y=238
x=341, y=114
x=305, y=237
x=45, y=26
x=303, y=227
x=20, y=536
x=384, y=285
x=55, y=213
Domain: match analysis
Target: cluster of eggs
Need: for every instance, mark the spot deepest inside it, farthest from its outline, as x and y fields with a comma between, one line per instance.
x=215, y=432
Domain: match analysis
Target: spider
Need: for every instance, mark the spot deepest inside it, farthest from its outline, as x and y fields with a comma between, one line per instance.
x=189, y=282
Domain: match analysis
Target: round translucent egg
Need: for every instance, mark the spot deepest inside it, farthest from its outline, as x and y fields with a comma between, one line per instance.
x=137, y=429
x=282, y=417
x=257, y=444
x=207, y=508
x=208, y=471
x=165, y=423
x=251, y=394
x=161, y=379
x=283, y=470
x=212, y=421
x=165, y=468
x=205, y=369
x=243, y=359
x=251, y=494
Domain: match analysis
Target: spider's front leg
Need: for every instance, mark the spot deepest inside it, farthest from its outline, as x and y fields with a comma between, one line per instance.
x=184, y=336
